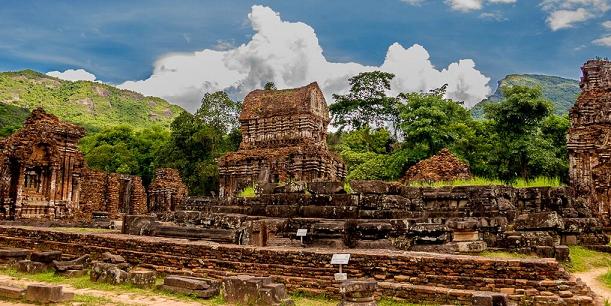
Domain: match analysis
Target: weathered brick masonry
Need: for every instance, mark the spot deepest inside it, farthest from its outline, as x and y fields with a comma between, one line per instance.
x=415, y=276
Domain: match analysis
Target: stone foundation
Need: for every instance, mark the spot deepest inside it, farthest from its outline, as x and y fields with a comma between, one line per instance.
x=389, y=215
x=416, y=277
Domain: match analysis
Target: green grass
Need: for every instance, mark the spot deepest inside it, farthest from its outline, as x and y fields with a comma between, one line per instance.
x=606, y=279
x=583, y=259
x=505, y=255
x=480, y=181
x=538, y=182
x=248, y=192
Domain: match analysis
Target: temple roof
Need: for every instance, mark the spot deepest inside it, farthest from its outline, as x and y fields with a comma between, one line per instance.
x=268, y=103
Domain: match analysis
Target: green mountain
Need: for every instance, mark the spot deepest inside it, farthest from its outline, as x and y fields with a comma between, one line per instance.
x=89, y=104
x=562, y=92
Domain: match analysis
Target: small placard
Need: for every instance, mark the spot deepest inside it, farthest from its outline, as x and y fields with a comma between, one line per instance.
x=341, y=276
x=302, y=232
x=340, y=259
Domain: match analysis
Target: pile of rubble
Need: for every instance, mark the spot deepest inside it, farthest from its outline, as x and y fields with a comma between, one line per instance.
x=444, y=166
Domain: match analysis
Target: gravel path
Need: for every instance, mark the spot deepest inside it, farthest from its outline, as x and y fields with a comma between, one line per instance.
x=591, y=279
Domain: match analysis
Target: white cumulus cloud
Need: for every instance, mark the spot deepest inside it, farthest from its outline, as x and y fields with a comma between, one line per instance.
x=603, y=41
x=289, y=54
x=73, y=75
x=564, y=14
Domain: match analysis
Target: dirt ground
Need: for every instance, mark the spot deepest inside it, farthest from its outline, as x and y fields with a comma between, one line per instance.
x=591, y=279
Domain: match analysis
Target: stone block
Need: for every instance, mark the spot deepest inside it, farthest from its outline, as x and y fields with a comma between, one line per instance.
x=250, y=290
x=465, y=236
x=375, y=187
x=11, y=292
x=142, y=278
x=46, y=257
x=489, y=299
x=358, y=293
x=107, y=273
x=112, y=258
x=470, y=246
x=192, y=283
x=29, y=266
x=539, y=221
x=41, y=293
x=13, y=254
x=562, y=253
x=544, y=251
x=77, y=264
x=325, y=187
x=137, y=224
x=569, y=240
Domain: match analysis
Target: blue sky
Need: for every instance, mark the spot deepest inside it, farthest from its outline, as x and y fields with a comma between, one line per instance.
x=119, y=41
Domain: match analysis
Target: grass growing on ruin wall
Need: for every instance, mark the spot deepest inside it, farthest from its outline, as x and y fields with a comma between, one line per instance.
x=480, y=181
x=248, y=192
x=505, y=255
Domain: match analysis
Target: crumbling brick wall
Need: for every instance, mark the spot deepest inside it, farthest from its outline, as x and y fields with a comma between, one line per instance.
x=112, y=193
x=399, y=273
x=167, y=191
x=589, y=141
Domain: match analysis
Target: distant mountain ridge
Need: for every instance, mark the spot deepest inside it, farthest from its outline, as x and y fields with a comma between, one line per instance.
x=92, y=105
x=561, y=91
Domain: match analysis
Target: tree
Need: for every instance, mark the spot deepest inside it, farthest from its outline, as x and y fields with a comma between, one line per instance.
x=366, y=104
x=121, y=149
x=197, y=140
x=218, y=110
x=270, y=86
x=522, y=149
x=432, y=122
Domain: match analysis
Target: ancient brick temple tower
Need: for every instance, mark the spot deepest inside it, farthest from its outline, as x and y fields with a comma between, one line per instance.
x=589, y=142
x=40, y=168
x=283, y=139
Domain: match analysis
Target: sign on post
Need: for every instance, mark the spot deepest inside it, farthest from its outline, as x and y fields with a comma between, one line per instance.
x=340, y=259
x=302, y=232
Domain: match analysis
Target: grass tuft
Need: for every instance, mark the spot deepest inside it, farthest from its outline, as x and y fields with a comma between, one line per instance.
x=481, y=181
x=248, y=192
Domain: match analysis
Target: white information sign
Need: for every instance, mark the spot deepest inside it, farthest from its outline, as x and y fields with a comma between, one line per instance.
x=341, y=276
x=340, y=259
x=302, y=232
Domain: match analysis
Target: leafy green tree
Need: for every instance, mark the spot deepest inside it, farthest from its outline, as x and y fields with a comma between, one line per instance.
x=366, y=104
x=218, y=110
x=522, y=149
x=123, y=150
x=196, y=141
x=432, y=122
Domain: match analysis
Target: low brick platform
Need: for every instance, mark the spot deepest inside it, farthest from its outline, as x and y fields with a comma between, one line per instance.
x=413, y=276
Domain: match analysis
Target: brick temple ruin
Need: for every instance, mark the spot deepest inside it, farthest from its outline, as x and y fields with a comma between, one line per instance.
x=284, y=139
x=41, y=168
x=589, y=141
x=43, y=176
